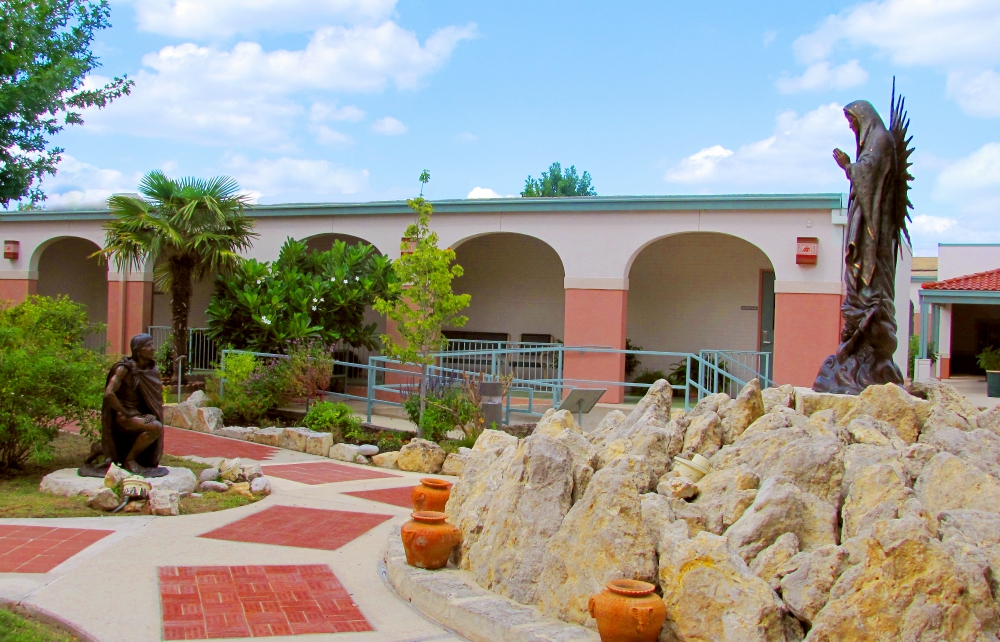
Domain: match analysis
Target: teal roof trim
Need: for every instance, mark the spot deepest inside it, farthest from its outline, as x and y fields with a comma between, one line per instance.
x=967, y=297
x=793, y=202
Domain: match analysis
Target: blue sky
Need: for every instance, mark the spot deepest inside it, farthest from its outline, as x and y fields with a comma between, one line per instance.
x=347, y=100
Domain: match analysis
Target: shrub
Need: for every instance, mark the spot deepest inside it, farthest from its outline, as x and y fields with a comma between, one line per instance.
x=47, y=378
x=913, y=349
x=647, y=376
x=989, y=359
x=335, y=418
x=631, y=360
x=388, y=441
x=311, y=365
x=448, y=408
x=253, y=387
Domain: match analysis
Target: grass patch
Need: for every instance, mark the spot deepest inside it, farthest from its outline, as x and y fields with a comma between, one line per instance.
x=14, y=628
x=20, y=497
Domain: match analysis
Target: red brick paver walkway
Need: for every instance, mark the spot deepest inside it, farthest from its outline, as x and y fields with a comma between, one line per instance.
x=402, y=496
x=324, y=472
x=202, y=602
x=295, y=526
x=188, y=442
x=39, y=549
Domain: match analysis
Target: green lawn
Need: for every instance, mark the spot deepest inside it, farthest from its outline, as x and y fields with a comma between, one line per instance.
x=14, y=628
x=20, y=497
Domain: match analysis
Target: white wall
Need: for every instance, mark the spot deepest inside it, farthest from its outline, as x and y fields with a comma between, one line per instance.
x=63, y=268
x=686, y=291
x=962, y=260
x=516, y=283
x=904, y=264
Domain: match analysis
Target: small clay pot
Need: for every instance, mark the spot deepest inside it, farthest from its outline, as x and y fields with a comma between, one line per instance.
x=428, y=539
x=432, y=494
x=628, y=611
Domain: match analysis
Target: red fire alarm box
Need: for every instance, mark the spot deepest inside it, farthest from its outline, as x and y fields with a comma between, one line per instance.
x=806, y=250
x=11, y=249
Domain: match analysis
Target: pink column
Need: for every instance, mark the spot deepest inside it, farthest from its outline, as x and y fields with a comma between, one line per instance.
x=806, y=331
x=17, y=290
x=128, y=315
x=595, y=318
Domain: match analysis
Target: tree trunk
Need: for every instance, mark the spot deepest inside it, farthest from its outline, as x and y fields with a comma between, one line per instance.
x=180, y=302
x=423, y=399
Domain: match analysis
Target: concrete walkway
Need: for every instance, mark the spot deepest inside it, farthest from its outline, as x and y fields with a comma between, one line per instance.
x=189, y=577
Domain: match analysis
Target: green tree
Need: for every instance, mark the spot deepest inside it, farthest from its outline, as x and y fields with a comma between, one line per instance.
x=197, y=226
x=303, y=296
x=426, y=303
x=44, y=58
x=555, y=183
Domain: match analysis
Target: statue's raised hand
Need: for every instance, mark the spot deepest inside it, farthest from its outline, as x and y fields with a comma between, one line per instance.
x=842, y=158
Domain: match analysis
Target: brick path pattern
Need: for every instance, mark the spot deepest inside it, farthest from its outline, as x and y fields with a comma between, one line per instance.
x=324, y=472
x=201, y=602
x=402, y=496
x=39, y=549
x=319, y=528
x=179, y=442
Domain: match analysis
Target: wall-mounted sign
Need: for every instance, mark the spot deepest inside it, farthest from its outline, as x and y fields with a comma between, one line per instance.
x=748, y=307
x=806, y=250
x=11, y=249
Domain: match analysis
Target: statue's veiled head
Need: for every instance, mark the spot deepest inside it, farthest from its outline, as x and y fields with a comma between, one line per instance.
x=142, y=346
x=864, y=120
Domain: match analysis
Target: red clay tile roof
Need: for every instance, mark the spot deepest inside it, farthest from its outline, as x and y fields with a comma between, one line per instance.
x=981, y=282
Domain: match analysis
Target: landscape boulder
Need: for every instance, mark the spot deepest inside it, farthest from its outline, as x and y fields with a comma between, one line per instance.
x=724, y=495
x=260, y=486
x=163, y=501
x=746, y=408
x=421, y=456
x=103, y=499
x=949, y=483
x=368, y=450
x=386, y=460
x=454, y=462
x=778, y=397
x=210, y=486
x=208, y=420
x=805, y=587
x=889, y=403
x=343, y=452
x=267, y=436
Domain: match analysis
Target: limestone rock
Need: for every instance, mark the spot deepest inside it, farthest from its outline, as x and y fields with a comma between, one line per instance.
x=709, y=403
x=235, y=432
x=584, y=460
x=368, y=450
x=343, y=452
x=981, y=448
x=525, y=511
x=782, y=507
x=866, y=430
x=677, y=487
x=555, y=421
x=250, y=472
x=691, y=514
x=704, y=434
x=809, y=402
x=163, y=501
x=612, y=422
x=948, y=483
x=806, y=589
x=603, y=537
x=917, y=456
x=941, y=418
x=421, y=456
x=724, y=495
x=361, y=459
x=260, y=486
x=661, y=521
x=209, y=474
x=978, y=529
x=452, y=465
x=304, y=440
x=886, y=596
x=103, y=499
x=213, y=487
x=888, y=403
x=181, y=480
x=989, y=420
x=267, y=436
x=197, y=399
x=386, y=460
x=472, y=495
x=939, y=393
x=771, y=559
x=168, y=414
x=658, y=397
x=184, y=416
x=815, y=464
x=67, y=483
x=778, y=397
x=710, y=594
x=746, y=408
x=878, y=492
x=859, y=456
x=778, y=418
x=241, y=488
x=115, y=476
x=208, y=420
x=656, y=445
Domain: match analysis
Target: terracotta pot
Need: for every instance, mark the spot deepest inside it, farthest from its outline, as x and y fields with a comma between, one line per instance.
x=428, y=539
x=628, y=611
x=432, y=494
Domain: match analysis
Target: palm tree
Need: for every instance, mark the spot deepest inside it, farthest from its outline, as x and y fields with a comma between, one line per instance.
x=198, y=226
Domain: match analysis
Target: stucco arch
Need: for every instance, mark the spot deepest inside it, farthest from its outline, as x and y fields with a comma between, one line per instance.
x=516, y=282
x=635, y=254
x=65, y=266
x=324, y=241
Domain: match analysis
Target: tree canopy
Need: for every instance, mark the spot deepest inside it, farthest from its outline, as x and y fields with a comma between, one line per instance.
x=555, y=183
x=44, y=59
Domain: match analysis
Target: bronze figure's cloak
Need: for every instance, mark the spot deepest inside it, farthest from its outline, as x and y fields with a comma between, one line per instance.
x=142, y=391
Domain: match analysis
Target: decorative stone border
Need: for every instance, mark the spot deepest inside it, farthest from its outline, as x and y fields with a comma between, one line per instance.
x=46, y=617
x=451, y=598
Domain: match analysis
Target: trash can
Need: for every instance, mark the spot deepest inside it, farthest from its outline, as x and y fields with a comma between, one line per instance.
x=491, y=394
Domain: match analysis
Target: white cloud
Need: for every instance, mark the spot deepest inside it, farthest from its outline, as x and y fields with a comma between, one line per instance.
x=485, y=192
x=245, y=94
x=80, y=185
x=321, y=112
x=466, y=137
x=329, y=136
x=819, y=76
x=296, y=179
x=388, y=126
x=215, y=19
x=977, y=94
x=795, y=158
x=926, y=224
x=769, y=37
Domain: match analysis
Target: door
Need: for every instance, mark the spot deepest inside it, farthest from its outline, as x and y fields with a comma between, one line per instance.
x=767, y=318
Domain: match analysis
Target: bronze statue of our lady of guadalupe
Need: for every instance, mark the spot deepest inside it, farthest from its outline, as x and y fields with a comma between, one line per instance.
x=876, y=225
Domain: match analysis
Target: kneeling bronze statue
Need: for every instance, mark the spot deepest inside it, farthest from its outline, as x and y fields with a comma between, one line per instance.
x=131, y=417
